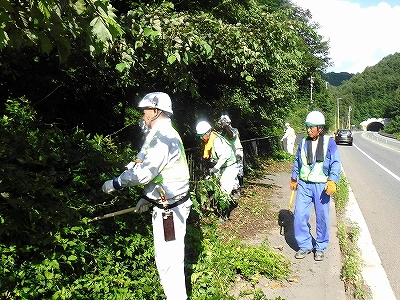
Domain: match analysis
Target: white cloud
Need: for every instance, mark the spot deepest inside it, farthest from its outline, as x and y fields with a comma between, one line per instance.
x=358, y=37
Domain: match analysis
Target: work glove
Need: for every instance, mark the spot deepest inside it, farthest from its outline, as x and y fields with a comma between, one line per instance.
x=108, y=187
x=213, y=171
x=293, y=184
x=142, y=205
x=223, y=121
x=330, y=187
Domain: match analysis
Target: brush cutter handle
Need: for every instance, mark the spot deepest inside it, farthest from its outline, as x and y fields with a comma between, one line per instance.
x=291, y=199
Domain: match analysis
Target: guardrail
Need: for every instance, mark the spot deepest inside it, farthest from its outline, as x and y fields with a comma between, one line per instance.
x=385, y=140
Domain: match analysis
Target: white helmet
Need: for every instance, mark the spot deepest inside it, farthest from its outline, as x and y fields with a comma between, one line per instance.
x=315, y=118
x=224, y=119
x=202, y=128
x=158, y=100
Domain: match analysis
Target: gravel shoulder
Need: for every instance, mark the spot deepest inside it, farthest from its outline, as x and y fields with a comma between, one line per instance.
x=255, y=221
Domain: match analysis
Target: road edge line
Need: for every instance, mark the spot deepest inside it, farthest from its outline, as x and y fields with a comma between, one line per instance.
x=372, y=272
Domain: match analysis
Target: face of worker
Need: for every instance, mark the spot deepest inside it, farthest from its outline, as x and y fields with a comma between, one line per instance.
x=206, y=137
x=313, y=132
x=149, y=115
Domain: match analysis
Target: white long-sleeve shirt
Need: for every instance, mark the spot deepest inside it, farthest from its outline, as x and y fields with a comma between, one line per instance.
x=289, y=133
x=222, y=152
x=164, y=160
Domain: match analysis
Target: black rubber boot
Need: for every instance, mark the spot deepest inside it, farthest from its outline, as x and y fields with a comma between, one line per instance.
x=241, y=182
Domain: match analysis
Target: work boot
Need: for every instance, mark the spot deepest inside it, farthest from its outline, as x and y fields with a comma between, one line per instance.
x=241, y=181
x=319, y=255
x=301, y=253
x=236, y=194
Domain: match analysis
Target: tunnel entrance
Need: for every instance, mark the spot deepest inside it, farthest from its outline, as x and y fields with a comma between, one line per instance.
x=375, y=126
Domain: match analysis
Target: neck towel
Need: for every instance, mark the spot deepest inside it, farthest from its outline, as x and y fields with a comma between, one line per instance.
x=319, y=152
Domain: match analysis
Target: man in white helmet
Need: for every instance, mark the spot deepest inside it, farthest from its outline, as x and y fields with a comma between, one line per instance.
x=232, y=135
x=220, y=151
x=164, y=172
x=315, y=173
x=290, y=137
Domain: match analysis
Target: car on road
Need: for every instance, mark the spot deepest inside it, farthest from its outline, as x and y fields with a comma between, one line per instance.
x=344, y=136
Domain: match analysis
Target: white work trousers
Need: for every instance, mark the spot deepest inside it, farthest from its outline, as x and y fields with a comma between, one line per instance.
x=290, y=145
x=239, y=161
x=170, y=255
x=229, y=180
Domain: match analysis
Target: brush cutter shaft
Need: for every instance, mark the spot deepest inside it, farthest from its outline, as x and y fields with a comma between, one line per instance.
x=113, y=214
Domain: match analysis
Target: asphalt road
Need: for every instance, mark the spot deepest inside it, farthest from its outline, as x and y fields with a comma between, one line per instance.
x=372, y=166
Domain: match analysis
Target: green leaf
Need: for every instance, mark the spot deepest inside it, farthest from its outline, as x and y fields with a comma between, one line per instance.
x=4, y=39
x=64, y=48
x=121, y=67
x=72, y=258
x=43, y=8
x=100, y=30
x=171, y=59
x=79, y=6
x=150, y=32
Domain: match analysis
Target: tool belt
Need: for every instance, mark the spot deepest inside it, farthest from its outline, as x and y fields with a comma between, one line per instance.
x=168, y=206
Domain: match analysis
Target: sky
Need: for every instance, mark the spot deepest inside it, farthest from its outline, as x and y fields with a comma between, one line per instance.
x=360, y=32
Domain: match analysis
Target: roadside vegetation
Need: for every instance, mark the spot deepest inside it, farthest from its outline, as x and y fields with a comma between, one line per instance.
x=348, y=234
x=50, y=248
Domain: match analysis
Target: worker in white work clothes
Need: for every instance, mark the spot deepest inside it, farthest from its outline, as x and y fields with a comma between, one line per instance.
x=219, y=150
x=164, y=172
x=290, y=137
x=233, y=136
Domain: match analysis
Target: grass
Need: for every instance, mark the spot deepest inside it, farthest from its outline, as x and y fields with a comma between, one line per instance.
x=348, y=234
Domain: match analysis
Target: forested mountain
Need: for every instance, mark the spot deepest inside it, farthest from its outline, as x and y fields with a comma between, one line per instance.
x=374, y=93
x=336, y=79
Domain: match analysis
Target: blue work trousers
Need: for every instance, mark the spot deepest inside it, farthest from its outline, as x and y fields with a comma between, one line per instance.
x=311, y=193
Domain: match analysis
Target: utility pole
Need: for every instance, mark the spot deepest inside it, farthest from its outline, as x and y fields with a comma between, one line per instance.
x=338, y=116
x=311, y=86
x=348, y=118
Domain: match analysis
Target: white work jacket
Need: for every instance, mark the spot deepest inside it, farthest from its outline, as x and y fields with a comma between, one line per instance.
x=164, y=163
x=222, y=152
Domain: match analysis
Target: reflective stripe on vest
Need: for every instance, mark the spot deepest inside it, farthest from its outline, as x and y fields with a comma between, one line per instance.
x=176, y=171
x=315, y=174
x=231, y=160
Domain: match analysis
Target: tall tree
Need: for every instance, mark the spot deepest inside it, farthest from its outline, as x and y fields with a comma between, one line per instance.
x=49, y=24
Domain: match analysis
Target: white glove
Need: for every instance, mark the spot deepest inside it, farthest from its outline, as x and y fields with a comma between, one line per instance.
x=130, y=165
x=223, y=121
x=108, y=187
x=142, y=205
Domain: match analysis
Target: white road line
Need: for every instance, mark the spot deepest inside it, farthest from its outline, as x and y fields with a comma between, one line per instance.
x=379, y=165
x=372, y=271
